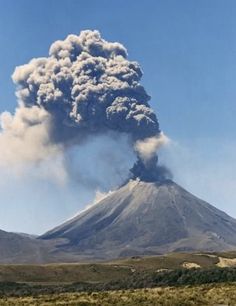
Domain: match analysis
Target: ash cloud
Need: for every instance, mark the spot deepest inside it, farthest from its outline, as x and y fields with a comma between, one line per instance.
x=85, y=87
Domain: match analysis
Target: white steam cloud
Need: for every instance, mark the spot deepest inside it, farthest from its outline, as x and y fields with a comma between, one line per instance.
x=148, y=147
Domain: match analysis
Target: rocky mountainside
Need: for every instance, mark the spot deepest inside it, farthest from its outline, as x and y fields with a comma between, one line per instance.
x=144, y=218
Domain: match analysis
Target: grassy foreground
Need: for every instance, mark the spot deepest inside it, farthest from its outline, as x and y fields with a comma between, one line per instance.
x=210, y=294
x=172, y=279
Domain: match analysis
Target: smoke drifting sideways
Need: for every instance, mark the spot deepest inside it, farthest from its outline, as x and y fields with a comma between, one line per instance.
x=85, y=88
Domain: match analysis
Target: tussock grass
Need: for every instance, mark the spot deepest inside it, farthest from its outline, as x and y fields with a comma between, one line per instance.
x=211, y=294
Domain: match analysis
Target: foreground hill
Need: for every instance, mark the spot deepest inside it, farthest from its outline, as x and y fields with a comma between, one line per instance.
x=173, y=279
x=145, y=218
x=103, y=272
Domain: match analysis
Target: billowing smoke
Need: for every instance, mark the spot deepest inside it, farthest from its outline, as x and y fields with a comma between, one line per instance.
x=146, y=168
x=85, y=87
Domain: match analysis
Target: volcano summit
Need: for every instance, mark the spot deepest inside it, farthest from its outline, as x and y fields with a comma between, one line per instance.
x=143, y=218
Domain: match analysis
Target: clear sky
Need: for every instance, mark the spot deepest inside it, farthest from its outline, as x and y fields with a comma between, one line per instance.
x=187, y=50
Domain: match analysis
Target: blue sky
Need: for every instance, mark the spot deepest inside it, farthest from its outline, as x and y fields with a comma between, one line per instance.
x=187, y=50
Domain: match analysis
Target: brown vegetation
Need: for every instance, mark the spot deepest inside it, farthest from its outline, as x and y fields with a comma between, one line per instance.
x=214, y=294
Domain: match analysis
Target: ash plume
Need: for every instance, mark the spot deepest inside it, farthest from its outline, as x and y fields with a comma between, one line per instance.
x=85, y=87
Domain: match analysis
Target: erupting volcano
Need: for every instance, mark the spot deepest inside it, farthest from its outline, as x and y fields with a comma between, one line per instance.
x=146, y=218
x=85, y=88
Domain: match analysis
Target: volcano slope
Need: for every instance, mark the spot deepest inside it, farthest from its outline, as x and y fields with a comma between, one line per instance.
x=145, y=218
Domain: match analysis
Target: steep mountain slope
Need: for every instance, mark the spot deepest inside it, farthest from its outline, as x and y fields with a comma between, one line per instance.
x=146, y=218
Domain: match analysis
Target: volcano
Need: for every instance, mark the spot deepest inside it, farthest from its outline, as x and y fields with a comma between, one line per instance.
x=146, y=218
